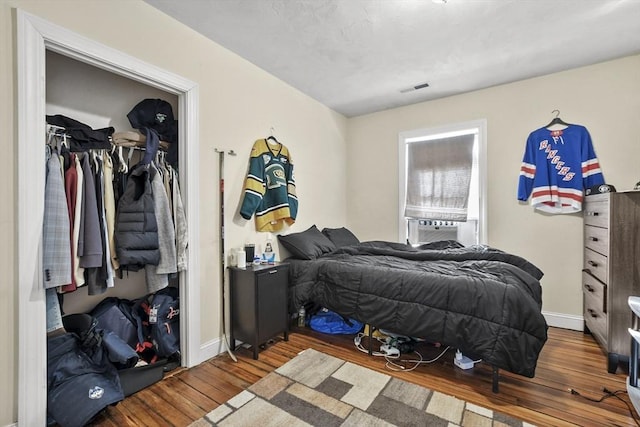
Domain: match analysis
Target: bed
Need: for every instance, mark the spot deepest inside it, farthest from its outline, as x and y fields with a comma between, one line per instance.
x=478, y=299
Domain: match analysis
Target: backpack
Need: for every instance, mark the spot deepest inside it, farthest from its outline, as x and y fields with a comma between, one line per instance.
x=159, y=324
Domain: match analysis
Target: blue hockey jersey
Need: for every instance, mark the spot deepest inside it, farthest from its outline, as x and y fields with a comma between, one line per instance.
x=557, y=167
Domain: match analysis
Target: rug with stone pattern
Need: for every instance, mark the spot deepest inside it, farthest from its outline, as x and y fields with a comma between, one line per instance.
x=321, y=390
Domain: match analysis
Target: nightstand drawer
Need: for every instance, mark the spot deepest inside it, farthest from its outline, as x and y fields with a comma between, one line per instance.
x=597, y=212
x=595, y=291
x=596, y=264
x=597, y=239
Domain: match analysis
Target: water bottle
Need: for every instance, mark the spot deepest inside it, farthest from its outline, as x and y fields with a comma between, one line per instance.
x=302, y=316
x=268, y=256
x=240, y=258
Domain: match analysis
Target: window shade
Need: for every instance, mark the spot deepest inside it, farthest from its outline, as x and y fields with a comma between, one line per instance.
x=438, y=178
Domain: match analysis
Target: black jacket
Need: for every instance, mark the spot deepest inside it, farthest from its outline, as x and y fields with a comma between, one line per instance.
x=136, y=230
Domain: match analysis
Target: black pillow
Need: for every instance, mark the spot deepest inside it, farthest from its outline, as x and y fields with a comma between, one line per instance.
x=340, y=236
x=308, y=244
x=441, y=244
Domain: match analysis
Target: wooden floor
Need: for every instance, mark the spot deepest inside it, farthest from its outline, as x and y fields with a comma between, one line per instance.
x=570, y=359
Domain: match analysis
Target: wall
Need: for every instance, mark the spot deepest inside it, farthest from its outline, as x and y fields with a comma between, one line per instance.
x=603, y=97
x=239, y=103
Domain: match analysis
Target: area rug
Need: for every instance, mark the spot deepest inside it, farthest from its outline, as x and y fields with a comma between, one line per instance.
x=315, y=389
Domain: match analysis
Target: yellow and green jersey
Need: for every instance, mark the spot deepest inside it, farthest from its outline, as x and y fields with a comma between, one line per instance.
x=270, y=189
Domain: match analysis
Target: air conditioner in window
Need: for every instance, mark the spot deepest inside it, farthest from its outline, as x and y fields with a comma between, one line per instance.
x=426, y=231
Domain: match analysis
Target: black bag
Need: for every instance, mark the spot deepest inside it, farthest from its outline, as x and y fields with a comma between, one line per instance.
x=81, y=381
x=150, y=324
x=115, y=315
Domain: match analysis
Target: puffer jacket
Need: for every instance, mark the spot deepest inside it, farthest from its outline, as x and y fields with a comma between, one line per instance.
x=136, y=230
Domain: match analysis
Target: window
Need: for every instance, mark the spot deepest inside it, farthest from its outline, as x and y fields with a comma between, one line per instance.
x=439, y=197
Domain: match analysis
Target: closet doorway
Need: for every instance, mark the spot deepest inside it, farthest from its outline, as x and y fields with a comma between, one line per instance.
x=35, y=37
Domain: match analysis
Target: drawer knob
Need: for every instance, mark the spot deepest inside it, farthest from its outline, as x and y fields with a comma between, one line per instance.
x=588, y=287
x=593, y=239
x=592, y=313
x=589, y=213
x=592, y=263
x=273, y=271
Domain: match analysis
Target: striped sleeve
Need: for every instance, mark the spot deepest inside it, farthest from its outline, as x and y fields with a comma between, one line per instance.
x=591, y=172
x=527, y=171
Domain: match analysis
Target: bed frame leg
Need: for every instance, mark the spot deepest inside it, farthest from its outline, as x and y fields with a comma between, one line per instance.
x=496, y=378
x=370, y=340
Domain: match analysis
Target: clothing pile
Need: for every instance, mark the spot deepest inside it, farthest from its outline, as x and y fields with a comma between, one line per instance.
x=104, y=215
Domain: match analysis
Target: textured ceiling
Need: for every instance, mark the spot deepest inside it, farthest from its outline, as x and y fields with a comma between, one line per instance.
x=359, y=56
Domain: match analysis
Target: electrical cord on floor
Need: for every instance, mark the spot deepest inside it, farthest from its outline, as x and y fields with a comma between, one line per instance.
x=393, y=366
x=356, y=341
x=392, y=361
x=607, y=394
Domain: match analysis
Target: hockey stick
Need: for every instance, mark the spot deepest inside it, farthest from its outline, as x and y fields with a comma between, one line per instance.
x=222, y=253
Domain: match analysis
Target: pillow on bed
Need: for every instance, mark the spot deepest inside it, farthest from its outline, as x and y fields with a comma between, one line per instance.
x=308, y=244
x=340, y=236
x=441, y=244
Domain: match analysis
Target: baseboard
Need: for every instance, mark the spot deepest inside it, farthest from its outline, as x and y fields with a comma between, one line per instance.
x=564, y=321
x=212, y=349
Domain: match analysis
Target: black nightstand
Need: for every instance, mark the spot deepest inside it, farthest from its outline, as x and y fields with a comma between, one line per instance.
x=258, y=305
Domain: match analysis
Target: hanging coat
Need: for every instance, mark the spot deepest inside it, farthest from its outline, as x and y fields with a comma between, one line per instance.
x=56, y=245
x=136, y=231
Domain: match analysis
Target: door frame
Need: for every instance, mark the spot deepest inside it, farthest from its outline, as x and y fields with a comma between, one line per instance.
x=34, y=37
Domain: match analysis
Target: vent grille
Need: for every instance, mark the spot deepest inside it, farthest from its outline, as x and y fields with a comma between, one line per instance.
x=416, y=87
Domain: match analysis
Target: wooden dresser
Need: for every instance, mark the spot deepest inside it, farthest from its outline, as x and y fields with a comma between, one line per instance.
x=611, y=271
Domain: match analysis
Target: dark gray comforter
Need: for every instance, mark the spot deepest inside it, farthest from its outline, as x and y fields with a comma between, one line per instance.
x=480, y=300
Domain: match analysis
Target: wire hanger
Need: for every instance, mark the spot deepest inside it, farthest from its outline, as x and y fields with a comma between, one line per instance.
x=557, y=120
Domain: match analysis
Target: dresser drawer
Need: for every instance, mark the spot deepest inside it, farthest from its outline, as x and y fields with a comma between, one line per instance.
x=596, y=264
x=596, y=212
x=596, y=291
x=595, y=319
x=597, y=239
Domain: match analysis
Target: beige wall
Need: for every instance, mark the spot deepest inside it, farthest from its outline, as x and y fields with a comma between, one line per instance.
x=239, y=103
x=605, y=98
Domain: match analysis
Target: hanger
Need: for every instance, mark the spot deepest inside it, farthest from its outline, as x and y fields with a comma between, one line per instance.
x=557, y=120
x=271, y=137
x=123, y=167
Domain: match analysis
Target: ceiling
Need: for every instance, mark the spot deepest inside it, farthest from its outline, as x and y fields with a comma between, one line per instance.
x=362, y=56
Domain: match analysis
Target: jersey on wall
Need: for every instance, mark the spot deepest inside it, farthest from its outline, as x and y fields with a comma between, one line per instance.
x=270, y=189
x=557, y=167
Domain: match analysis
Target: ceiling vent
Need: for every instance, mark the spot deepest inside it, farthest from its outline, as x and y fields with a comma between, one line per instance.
x=416, y=87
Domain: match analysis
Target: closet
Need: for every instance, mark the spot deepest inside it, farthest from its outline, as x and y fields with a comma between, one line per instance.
x=99, y=99
x=127, y=242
